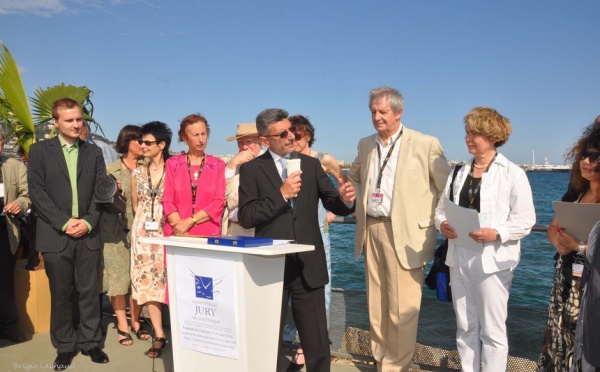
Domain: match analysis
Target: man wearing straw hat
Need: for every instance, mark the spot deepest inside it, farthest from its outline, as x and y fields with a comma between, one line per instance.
x=249, y=146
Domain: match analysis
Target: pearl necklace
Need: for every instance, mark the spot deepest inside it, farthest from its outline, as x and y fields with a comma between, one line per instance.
x=480, y=166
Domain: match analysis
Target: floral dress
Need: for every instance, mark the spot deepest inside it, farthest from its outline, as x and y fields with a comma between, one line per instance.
x=148, y=272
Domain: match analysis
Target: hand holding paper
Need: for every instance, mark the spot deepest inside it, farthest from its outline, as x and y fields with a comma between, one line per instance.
x=464, y=221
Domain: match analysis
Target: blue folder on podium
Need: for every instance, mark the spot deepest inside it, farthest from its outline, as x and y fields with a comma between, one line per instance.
x=240, y=241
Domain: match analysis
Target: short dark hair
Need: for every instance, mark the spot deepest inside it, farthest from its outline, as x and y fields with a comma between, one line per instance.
x=127, y=133
x=268, y=117
x=63, y=103
x=189, y=120
x=303, y=124
x=161, y=132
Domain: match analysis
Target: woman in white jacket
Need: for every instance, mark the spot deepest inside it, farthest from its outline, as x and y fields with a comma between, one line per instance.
x=481, y=279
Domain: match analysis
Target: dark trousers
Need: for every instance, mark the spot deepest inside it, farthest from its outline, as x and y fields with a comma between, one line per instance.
x=8, y=307
x=308, y=310
x=73, y=275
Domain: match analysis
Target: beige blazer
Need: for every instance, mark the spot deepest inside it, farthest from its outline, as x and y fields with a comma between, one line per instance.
x=14, y=175
x=231, y=202
x=420, y=178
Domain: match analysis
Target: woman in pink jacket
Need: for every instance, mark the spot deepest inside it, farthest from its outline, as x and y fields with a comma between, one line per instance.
x=194, y=184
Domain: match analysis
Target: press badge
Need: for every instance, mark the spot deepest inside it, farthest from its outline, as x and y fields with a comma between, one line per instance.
x=377, y=198
x=577, y=269
x=151, y=226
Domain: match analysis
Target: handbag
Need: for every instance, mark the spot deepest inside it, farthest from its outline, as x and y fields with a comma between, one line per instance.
x=438, y=278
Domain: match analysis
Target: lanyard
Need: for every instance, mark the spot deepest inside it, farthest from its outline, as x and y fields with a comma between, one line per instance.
x=154, y=190
x=475, y=190
x=196, y=176
x=382, y=167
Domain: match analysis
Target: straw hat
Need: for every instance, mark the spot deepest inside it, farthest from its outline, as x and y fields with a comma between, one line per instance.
x=243, y=130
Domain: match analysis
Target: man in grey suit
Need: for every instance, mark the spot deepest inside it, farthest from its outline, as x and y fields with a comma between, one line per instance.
x=284, y=206
x=63, y=172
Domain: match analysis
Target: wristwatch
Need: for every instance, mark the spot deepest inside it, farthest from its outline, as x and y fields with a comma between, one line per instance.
x=194, y=220
x=581, y=249
x=498, y=237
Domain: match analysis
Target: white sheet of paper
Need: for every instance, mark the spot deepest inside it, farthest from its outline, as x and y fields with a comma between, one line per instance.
x=292, y=166
x=577, y=219
x=464, y=220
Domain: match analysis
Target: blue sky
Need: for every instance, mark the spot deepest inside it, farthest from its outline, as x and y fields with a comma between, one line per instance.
x=536, y=62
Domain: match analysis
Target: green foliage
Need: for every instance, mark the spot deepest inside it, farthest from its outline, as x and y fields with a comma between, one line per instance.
x=14, y=107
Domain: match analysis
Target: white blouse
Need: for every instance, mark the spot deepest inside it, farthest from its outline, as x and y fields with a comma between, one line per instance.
x=506, y=205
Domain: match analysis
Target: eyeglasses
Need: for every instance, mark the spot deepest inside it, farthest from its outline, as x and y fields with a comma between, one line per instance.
x=593, y=156
x=298, y=134
x=284, y=134
x=147, y=143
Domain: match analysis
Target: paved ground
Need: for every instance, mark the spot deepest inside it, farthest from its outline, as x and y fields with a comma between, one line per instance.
x=37, y=354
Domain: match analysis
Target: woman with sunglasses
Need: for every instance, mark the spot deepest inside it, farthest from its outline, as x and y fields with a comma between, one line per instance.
x=304, y=133
x=563, y=311
x=114, y=229
x=481, y=274
x=148, y=274
x=195, y=184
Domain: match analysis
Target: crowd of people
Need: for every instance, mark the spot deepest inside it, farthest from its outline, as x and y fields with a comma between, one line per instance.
x=400, y=188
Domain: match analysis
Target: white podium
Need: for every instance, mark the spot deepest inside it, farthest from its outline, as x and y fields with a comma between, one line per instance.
x=225, y=304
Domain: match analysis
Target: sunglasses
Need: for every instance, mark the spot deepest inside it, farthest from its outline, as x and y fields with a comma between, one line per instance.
x=147, y=143
x=594, y=156
x=284, y=134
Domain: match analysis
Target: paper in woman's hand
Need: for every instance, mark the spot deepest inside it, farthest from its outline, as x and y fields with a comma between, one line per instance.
x=577, y=219
x=463, y=220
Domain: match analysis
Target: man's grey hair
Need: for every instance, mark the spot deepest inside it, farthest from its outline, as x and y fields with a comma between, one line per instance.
x=268, y=117
x=392, y=94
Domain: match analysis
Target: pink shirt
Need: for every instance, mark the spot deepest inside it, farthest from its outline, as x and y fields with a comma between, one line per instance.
x=210, y=193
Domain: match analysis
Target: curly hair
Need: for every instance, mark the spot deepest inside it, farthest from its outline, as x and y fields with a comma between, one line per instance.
x=589, y=140
x=302, y=124
x=489, y=123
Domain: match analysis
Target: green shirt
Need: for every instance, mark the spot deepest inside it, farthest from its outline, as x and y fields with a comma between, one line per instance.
x=71, y=153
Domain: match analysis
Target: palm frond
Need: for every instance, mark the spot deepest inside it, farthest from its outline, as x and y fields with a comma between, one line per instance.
x=15, y=107
x=44, y=98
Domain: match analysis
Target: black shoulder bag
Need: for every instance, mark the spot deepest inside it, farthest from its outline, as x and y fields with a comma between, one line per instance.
x=438, y=278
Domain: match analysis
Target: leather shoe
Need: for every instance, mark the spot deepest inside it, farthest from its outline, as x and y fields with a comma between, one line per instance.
x=13, y=336
x=63, y=361
x=96, y=355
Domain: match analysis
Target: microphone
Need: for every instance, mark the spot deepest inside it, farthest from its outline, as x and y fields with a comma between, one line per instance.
x=293, y=165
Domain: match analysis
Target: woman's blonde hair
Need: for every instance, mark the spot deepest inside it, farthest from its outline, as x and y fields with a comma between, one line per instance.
x=489, y=123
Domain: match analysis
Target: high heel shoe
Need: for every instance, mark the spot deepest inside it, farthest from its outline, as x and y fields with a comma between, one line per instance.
x=126, y=340
x=140, y=333
x=158, y=343
x=294, y=365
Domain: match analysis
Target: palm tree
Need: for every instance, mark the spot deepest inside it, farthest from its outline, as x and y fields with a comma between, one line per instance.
x=14, y=106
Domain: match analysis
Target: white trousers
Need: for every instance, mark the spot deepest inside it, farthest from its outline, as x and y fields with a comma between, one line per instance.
x=480, y=302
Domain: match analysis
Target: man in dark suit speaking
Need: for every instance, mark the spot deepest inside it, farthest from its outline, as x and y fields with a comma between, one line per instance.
x=284, y=206
x=63, y=172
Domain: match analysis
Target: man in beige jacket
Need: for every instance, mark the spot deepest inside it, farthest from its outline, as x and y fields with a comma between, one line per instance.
x=397, y=175
x=14, y=202
x=249, y=146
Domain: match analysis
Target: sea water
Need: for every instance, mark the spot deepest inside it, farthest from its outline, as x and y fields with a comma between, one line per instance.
x=533, y=276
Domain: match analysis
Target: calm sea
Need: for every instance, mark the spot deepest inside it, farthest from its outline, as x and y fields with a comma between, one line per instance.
x=533, y=277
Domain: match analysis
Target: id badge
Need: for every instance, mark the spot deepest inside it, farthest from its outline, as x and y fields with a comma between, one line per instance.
x=151, y=226
x=577, y=270
x=377, y=198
